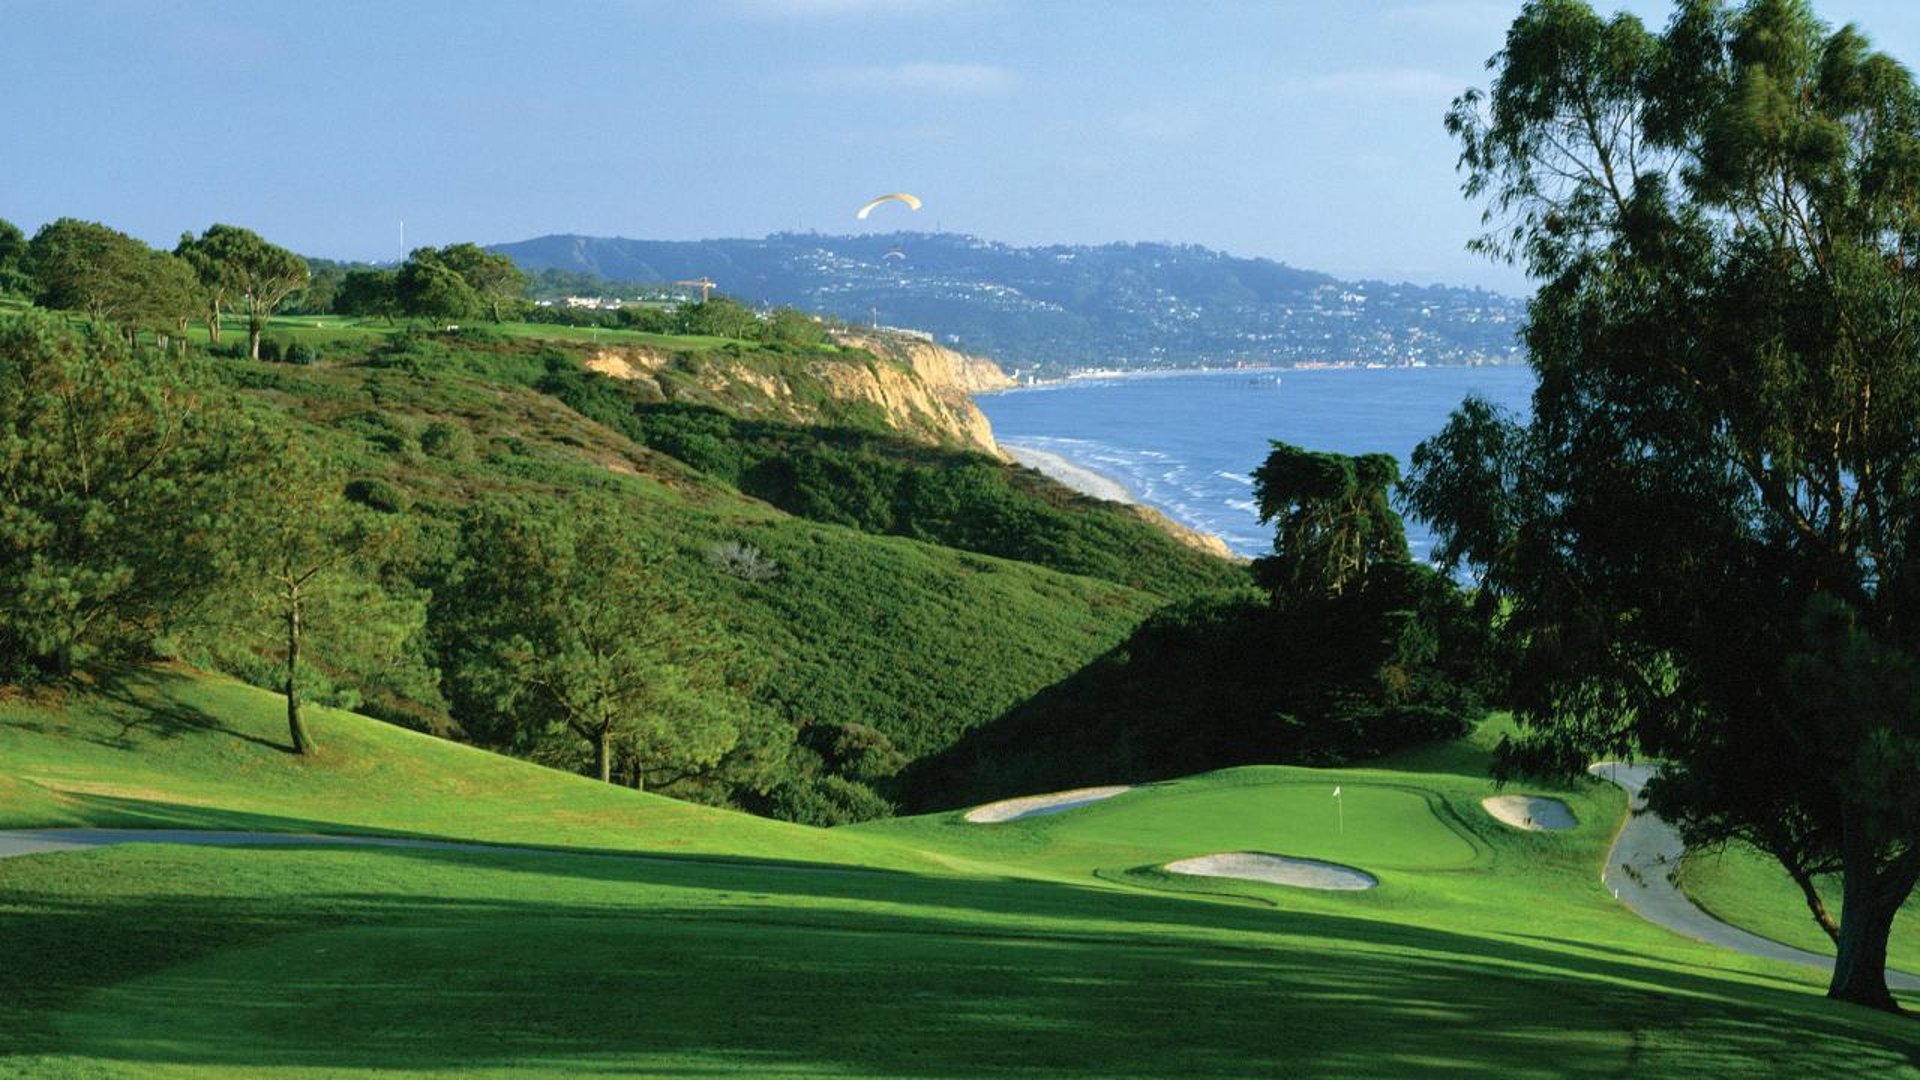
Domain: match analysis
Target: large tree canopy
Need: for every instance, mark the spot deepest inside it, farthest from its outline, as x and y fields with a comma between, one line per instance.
x=85, y=266
x=1704, y=536
x=236, y=266
x=493, y=277
x=13, y=258
x=1331, y=516
x=561, y=634
x=118, y=473
x=426, y=287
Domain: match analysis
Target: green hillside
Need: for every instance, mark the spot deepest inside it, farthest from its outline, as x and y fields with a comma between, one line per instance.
x=982, y=585
x=914, y=948
x=175, y=749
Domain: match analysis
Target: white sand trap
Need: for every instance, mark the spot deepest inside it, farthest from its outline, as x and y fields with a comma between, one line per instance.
x=1279, y=869
x=1035, y=805
x=1535, y=812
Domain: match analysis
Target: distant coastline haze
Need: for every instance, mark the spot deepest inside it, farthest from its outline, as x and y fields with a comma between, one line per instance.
x=1305, y=133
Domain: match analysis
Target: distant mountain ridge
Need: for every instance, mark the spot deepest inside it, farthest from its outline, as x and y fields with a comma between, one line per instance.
x=1068, y=306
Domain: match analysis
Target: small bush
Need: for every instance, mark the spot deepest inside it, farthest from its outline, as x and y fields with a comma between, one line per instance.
x=449, y=442
x=743, y=561
x=386, y=431
x=377, y=494
x=822, y=801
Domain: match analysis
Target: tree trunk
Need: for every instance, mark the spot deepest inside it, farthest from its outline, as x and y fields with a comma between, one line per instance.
x=213, y=325
x=1815, y=904
x=603, y=755
x=253, y=339
x=1871, y=894
x=1860, y=970
x=296, y=727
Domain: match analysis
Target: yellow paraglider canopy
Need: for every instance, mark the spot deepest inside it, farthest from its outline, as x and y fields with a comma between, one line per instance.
x=912, y=201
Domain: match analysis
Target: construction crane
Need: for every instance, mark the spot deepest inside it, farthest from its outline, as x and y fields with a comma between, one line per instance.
x=704, y=284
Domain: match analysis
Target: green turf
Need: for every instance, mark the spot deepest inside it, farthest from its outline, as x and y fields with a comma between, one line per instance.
x=1746, y=888
x=337, y=329
x=921, y=948
x=163, y=749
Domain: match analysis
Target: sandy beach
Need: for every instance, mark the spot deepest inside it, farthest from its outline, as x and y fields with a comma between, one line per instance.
x=1080, y=479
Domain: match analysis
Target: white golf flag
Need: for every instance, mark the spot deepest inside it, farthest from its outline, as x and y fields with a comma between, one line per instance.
x=1336, y=791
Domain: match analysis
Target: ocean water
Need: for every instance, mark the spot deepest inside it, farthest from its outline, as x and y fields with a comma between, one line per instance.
x=1185, y=443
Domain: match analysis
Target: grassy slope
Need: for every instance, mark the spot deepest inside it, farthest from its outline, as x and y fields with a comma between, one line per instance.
x=164, y=748
x=1015, y=627
x=964, y=637
x=1746, y=888
x=1046, y=948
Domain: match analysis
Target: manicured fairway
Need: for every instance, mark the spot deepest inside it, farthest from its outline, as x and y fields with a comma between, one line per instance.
x=917, y=948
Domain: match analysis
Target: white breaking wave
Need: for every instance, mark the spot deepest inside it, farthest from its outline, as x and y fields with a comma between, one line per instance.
x=1186, y=450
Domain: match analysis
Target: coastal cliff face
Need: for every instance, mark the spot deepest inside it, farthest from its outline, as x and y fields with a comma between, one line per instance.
x=915, y=388
x=910, y=386
x=938, y=365
x=951, y=377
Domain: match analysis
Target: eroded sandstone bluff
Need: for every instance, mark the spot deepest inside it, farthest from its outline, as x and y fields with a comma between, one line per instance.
x=916, y=387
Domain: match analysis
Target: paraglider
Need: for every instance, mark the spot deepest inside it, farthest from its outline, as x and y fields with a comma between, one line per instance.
x=894, y=253
x=912, y=201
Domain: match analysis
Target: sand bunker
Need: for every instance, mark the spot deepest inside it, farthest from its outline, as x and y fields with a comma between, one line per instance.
x=1530, y=812
x=1279, y=869
x=1035, y=805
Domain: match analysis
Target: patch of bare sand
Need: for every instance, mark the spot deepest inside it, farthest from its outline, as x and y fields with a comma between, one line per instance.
x=1536, y=812
x=1277, y=869
x=1036, y=805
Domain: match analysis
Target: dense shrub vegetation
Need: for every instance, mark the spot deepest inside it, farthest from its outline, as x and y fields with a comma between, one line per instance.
x=723, y=580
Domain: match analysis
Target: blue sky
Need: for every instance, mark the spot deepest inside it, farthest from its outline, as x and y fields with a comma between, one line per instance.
x=1307, y=132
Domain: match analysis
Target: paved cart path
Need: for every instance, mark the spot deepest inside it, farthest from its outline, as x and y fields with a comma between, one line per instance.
x=1639, y=871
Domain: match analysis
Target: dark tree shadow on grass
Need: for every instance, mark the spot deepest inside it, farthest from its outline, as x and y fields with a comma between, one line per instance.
x=906, y=976
x=143, y=705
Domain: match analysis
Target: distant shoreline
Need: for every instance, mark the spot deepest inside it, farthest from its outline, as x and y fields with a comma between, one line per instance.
x=1097, y=376
x=1078, y=477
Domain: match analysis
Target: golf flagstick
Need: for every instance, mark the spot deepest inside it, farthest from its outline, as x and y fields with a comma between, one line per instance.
x=1340, y=809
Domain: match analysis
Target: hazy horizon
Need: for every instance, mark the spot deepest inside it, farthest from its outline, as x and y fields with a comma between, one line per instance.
x=1309, y=134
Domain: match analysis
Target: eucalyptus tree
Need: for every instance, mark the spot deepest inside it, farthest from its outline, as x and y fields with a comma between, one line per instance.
x=1704, y=538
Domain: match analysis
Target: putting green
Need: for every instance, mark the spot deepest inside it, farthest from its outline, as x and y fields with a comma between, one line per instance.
x=1370, y=825
x=1380, y=823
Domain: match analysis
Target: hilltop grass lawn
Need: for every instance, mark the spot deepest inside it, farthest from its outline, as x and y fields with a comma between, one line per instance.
x=1746, y=888
x=320, y=330
x=357, y=332
x=923, y=947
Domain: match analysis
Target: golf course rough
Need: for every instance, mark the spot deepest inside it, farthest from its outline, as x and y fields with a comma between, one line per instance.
x=1535, y=812
x=1277, y=869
